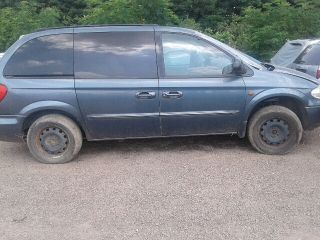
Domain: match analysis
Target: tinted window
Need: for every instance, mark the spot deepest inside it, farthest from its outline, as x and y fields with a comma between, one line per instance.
x=311, y=56
x=115, y=55
x=44, y=56
x=188, y=56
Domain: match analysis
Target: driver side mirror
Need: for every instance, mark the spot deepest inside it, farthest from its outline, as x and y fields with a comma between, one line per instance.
x=236, y=68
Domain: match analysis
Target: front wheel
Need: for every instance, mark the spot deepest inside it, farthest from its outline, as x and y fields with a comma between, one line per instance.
x=275, y=130
x=54, y=139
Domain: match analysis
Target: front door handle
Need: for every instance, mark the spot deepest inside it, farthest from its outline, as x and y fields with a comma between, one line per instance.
x=172, y=94
x=146, y=95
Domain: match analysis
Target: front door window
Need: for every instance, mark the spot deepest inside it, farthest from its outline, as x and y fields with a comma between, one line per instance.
x=189, y=57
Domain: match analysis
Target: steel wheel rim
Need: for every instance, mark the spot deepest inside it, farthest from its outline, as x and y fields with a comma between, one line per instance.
x=54, y=140
x=275, y=132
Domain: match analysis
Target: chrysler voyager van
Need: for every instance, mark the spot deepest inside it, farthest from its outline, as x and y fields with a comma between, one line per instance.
x=60, y=86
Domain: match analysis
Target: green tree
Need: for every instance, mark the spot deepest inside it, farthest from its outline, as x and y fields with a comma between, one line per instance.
x=212, y=13
x=9, y=3
x=195, y=9
x=131, y=11
x=262, y=31
x=23, y=19
x=236, y=7
x=71, y=10
x=203, y=12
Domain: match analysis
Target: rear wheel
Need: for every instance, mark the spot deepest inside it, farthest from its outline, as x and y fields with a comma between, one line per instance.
x=54, y=139
x=275, y=130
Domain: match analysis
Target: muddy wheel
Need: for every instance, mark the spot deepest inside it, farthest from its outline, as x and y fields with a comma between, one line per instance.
x=275, y=130
x=54, y=139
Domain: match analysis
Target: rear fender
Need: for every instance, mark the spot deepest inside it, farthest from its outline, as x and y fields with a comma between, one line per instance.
x=53, y=107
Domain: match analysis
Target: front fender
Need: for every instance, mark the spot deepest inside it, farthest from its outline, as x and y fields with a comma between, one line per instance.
x=274, y=93
x=255, y=100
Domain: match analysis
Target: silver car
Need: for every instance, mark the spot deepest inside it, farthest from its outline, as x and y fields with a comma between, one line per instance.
x=301, y=55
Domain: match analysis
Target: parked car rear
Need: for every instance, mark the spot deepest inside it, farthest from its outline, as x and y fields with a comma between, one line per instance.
x=301, y=55
x=60, y=86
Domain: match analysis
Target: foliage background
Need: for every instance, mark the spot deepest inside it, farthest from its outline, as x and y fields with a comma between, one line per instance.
x=258, y=27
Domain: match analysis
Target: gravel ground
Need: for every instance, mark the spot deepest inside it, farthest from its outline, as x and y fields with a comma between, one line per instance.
x=182, y=188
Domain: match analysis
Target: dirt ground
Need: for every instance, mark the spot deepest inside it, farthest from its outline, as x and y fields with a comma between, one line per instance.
x=181, y=188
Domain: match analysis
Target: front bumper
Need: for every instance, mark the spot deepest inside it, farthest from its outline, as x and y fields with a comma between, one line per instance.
x=11, y=128
x=312, y=117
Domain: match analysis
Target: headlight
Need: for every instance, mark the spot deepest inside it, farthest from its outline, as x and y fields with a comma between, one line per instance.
x=316, y=92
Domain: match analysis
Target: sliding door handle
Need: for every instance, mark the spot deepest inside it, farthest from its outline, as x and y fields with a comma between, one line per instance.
x=146, y=95
x=172, y=94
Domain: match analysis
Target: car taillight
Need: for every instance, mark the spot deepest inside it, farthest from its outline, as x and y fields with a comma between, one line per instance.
x=318, y=73
x=3, y=92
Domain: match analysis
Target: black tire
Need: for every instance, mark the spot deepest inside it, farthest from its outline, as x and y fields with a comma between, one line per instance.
x=275, y=130
x=54, y=139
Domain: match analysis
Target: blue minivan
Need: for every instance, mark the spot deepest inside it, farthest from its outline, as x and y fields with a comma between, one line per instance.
x=60, y=86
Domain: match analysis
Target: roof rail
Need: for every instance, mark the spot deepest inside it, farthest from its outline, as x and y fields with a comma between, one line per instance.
x=98, y=25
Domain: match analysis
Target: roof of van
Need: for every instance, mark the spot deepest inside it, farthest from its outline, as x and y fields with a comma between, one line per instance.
x=98, y=25
x=163, y=28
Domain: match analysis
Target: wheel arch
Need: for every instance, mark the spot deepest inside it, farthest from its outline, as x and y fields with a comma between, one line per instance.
x=36, y=110
x=291, y=99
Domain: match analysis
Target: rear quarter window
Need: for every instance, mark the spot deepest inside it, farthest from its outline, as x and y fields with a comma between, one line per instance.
x=43, y=56
x=310, y=56
x=105, y=55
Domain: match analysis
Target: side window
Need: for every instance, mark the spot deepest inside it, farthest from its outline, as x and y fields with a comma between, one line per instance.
x=310, y=56
x=115, y=55
x=43, y=56
x=187, y=56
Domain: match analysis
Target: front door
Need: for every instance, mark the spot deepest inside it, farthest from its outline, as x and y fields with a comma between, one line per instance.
x=116, y=82
x=196, y=96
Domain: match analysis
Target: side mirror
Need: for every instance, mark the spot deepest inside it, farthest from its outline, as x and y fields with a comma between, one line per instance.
x=236, y=68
